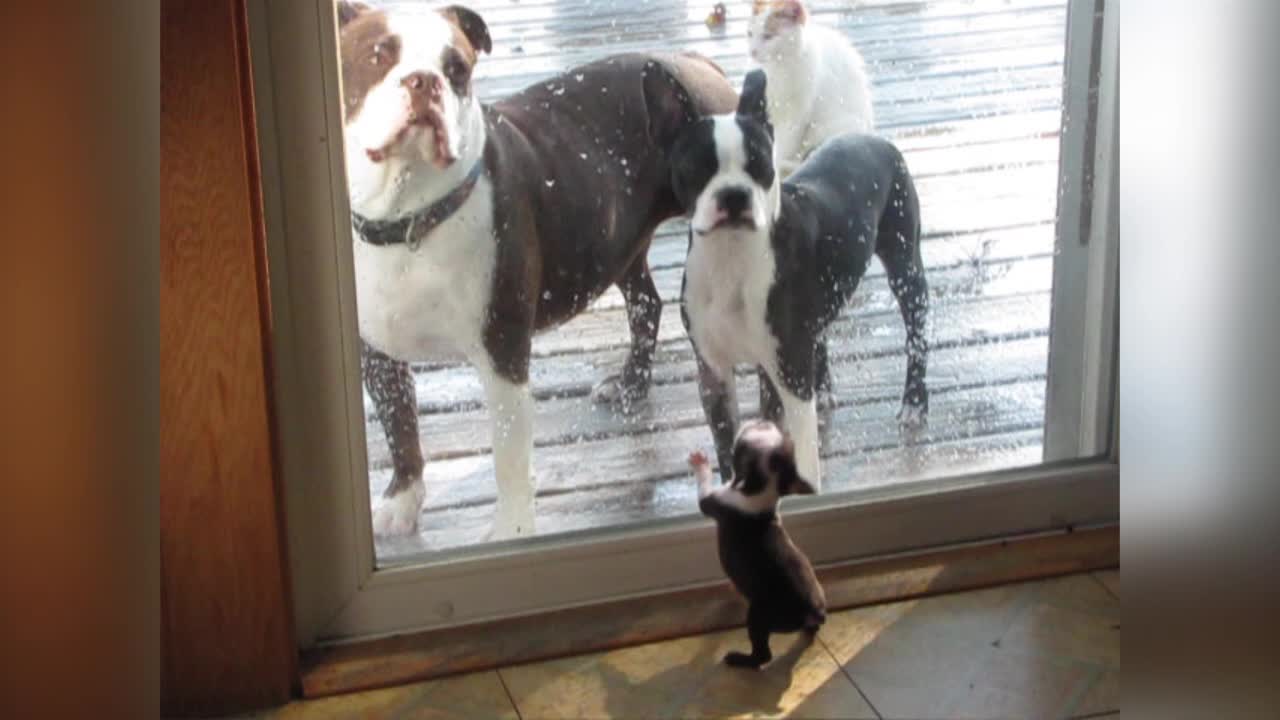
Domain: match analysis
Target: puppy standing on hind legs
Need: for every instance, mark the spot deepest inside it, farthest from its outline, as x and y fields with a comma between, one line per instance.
x=777, y=580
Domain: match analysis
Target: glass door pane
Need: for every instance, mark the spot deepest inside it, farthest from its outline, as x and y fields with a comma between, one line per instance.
x=970, y=91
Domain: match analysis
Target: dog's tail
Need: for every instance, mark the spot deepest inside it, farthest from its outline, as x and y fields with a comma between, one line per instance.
x=705, y=81
x=703, y=58
x=898, y=246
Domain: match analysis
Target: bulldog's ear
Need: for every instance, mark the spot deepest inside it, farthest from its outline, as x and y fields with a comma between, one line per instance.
x=667, y=105
x=753, y=103
x=348, y=11
x=471, y=25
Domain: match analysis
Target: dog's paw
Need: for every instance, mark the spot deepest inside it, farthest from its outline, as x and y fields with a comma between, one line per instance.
x=511, y=521
x=913, y=417
x=825, y=401
x=397, y=516
x=616, y=394
x=742, y=660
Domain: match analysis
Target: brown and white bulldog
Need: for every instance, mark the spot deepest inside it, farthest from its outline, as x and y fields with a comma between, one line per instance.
x=478, y=225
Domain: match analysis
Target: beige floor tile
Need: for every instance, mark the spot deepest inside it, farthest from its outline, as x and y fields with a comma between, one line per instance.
x=1028, y=650
x=1102, y=696
x=685, y=678
x=479, y=695
x=1110, y=578
x=1056, y=632
x=1074, y=592
x=963, y=679
x=1072, y=617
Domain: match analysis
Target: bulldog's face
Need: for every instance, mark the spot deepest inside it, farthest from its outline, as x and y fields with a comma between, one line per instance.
x=407, y=98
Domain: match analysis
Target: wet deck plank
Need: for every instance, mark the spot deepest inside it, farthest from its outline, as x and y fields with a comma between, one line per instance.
x=970, y=90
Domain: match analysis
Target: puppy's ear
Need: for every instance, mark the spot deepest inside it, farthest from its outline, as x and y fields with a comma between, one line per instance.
x=753, y=102
x=667, y=105
x=348, y=11
x=471, y=25
x=782, y=463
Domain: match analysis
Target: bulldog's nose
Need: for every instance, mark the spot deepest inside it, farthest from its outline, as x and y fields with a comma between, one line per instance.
x=734, y=201
x=428, y=85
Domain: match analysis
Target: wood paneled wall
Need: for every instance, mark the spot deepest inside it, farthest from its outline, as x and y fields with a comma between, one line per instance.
x=227, y=622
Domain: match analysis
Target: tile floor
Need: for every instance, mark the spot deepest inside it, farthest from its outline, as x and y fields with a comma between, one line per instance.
x=1047, y=649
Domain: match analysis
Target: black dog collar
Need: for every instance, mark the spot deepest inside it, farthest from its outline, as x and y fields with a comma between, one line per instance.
x=412, y=229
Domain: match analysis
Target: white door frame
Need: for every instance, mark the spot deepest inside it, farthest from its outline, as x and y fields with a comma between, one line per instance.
x=1083, y=331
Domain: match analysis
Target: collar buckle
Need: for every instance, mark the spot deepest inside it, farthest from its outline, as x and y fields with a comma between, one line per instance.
x=411, y=239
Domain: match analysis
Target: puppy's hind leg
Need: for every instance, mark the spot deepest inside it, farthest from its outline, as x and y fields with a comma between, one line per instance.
x=644, y=311
x=758, y=632
x=898, y=246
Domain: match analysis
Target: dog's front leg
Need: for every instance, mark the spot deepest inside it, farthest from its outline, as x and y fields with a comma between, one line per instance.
x=719, y=395
x=644, y=312
x=795, y=386
x=390, y=385
x=511, y=409
x=801, y=420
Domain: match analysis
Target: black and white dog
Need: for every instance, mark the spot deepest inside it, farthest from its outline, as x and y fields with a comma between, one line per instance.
x=478, y=225
x=775, y=577
x=771, y=264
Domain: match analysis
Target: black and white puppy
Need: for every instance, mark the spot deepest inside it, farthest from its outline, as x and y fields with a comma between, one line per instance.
x=777, y=580
x=478, y=224
x=771, y=264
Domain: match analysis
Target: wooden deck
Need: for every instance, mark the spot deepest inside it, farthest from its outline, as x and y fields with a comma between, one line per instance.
x=971, y=92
